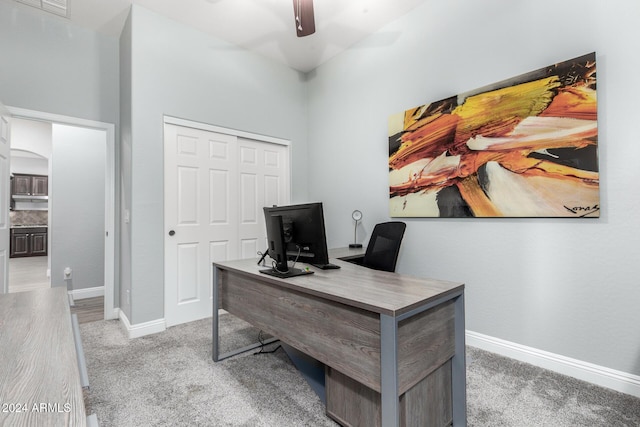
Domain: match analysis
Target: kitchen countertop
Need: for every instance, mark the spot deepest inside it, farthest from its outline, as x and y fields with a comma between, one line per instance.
x=28, y=225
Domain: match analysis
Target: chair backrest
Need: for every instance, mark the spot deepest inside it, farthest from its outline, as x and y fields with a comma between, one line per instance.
x=384, y=246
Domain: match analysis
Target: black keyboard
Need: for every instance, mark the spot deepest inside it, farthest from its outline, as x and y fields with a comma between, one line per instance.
x=326, y=266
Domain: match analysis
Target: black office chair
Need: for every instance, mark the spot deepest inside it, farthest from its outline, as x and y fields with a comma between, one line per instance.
x=384, y=246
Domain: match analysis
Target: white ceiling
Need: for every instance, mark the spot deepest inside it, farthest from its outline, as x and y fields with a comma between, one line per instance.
x=264, y=26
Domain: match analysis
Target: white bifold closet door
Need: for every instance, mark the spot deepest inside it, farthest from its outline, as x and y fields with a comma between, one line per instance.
x=215, y=187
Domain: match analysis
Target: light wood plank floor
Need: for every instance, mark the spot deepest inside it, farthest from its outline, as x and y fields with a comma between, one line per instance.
x=30, y=273
x=89, y=309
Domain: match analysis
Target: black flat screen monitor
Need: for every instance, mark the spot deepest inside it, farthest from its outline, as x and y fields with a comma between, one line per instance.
x=277, y=249
x=304, y=233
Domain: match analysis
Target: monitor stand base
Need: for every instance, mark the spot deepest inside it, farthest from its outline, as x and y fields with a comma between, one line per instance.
x=292, y=272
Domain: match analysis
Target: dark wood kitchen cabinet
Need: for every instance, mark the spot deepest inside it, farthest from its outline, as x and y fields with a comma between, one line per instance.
x=28, y=241
x=29, y=185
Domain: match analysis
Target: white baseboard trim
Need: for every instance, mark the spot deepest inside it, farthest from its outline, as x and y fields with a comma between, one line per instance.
x=114, y=315
x=77, y=294
x=141, y=329
x=599, y=375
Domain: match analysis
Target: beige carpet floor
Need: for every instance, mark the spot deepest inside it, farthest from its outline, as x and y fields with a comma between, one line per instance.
x=169, y=379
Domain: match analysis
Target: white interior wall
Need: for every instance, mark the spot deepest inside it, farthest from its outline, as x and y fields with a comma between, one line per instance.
x=32, y=136
x=76, y=206
x=29, y=165
x=123, y=299
x=30, y=151
x=54, y=66
x=564, y=286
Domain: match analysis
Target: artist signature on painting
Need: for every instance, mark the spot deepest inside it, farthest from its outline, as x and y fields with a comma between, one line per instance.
x=583, y=211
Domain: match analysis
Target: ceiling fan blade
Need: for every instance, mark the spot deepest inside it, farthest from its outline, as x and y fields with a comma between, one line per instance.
x=304, y=20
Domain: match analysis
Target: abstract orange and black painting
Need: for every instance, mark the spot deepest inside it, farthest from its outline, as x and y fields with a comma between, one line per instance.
x=523, y=147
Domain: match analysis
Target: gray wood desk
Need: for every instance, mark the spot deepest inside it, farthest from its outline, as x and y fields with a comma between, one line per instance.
x=39, y=376
x=393, y=344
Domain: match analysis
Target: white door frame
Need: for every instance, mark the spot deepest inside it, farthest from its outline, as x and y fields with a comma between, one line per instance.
x=228, y=131
x=109, y=249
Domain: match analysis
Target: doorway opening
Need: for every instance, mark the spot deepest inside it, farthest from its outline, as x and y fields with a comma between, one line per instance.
x=80, y=206
x=30, y=157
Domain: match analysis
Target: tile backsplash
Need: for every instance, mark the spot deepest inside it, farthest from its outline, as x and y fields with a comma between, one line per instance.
x=28, y=217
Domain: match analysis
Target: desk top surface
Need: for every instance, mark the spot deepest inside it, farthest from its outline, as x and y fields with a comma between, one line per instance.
x=39, y=378
x=378, y=291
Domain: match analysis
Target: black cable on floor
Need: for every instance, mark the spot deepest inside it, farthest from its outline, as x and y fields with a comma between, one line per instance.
x=262, y=345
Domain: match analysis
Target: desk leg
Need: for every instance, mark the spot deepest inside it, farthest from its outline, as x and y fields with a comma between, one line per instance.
x=216, y=316
x=389, y=371
x=216, y=326
x=459, y=367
